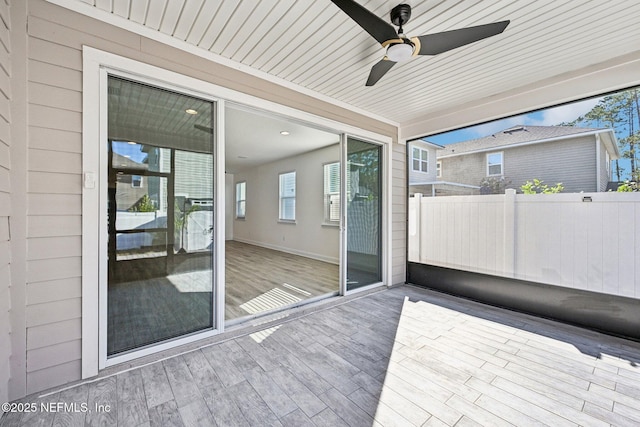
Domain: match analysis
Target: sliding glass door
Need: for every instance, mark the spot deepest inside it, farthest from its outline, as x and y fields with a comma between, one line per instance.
x=160, y=215
x=364, y=213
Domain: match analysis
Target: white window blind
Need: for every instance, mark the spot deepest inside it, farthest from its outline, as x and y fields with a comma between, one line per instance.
x=332, y=193
x=241, y=199
x=288, y=196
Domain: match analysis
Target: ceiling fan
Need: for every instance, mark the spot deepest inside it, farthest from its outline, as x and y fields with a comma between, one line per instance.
x=401, y=48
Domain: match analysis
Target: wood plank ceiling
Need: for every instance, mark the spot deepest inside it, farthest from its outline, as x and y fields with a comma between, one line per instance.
x=316, y=46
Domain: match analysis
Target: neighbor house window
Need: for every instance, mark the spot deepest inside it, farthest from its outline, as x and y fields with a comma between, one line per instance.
x=495, y=164
x=136, y=181
x=288, y=196
x=241, y=199
x=420, y=159
x=439, y=169
x=332, y=193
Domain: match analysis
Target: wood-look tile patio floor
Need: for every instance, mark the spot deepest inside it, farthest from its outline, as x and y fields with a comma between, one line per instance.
x=402, y=356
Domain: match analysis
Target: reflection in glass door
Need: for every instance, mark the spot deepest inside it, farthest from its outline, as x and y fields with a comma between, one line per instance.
x=160, y=215
x=364, y=213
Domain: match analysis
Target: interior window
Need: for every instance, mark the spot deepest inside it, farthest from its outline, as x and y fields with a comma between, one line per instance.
x=288, y=196
x=241, y=199
x=332, y=193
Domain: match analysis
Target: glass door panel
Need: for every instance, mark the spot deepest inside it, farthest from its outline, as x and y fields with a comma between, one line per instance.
x=160, y=215
x=364, y=213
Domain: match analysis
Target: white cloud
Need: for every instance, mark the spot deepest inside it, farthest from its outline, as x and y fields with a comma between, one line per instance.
x=549, y=117
x=567, y=113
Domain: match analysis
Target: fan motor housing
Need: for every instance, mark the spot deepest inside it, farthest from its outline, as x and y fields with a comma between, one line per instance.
x=400, y=14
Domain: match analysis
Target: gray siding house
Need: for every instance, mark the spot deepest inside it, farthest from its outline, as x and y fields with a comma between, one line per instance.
x=425, y=172
x=423, y=168
x=579, y=158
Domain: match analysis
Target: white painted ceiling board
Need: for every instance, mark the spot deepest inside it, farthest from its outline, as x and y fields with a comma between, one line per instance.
x=138, y=10
x=155, y=11
x=314, y=45
x=190, y=12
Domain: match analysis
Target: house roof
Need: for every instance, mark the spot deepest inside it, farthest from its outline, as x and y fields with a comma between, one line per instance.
x=526, y=135
x=425, y=144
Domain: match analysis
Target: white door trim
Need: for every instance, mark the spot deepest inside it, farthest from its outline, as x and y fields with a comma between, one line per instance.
x=96, y=65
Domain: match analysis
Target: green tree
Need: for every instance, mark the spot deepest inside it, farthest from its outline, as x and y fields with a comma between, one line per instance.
x=628, y=187
x=621, y=112
x=538, y=186
x=145, y=204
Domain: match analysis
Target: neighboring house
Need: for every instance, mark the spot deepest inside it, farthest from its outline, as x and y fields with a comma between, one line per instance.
x=579, y=158
x=425, y=174
x=131, y=188
x=423, y=170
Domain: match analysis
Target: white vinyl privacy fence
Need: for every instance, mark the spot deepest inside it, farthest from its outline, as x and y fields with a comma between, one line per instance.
x=588, y=241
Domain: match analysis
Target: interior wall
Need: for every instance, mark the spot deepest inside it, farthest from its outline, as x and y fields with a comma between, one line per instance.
x=308, y=236
x=5, y=201
x=47, y=265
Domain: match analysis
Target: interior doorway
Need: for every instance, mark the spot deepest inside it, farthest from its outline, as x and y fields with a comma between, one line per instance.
x=283, y=213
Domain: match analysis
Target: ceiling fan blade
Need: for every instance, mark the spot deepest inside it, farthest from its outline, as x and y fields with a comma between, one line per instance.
x=379, y=70
x=372, y=24
x=433, y=44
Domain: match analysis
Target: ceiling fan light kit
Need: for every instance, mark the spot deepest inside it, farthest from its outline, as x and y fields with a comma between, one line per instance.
x=399, y=47
x=400, y=52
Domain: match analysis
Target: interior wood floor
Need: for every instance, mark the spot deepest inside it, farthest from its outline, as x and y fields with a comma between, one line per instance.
x=259, y=279
x=142, y=312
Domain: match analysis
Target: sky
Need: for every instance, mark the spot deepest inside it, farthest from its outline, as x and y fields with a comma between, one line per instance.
x=130, y=151
x=547, y=117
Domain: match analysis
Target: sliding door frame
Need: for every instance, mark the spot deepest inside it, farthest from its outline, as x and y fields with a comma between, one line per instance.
x=97, y=65
x=218, y=233
x=385, y=213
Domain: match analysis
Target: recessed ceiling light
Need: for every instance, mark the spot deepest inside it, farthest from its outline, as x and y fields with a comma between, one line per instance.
x=284, y=132
x=191, y=111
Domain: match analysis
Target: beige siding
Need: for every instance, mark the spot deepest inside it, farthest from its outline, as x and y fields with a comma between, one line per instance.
x=5, y=202
x=399, y=213
x=54, y=79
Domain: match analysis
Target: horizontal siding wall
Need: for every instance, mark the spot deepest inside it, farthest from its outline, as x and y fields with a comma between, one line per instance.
x=469, y=169
x=571, y=162
x=399, y=213
x=5, y=201
x=555, y=239
x=56, y=36
x=54, y=200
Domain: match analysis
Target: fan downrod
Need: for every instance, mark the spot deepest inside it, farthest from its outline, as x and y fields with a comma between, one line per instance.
x=400, y=14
